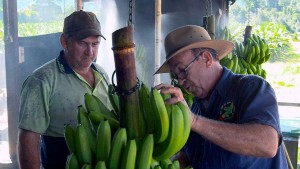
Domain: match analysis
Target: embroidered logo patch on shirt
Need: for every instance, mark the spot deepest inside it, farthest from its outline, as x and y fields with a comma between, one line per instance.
x=227, y=111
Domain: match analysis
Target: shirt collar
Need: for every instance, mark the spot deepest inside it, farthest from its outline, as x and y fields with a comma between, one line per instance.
x=65, y=68
x=224, y=84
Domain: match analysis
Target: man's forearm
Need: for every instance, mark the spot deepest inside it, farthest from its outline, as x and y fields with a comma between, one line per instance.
x=28, y=150
x=247, y=139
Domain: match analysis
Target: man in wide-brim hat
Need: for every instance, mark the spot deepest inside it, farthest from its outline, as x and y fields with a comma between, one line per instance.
x=234, y=118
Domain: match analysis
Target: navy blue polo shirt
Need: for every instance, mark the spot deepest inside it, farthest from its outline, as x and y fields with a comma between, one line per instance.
x=236, y=99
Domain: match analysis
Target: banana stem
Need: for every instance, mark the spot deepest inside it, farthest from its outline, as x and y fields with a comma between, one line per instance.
x=123, y=49
x=247, y=34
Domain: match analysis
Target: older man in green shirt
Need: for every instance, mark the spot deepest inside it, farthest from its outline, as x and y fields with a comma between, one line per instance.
x=51, y=94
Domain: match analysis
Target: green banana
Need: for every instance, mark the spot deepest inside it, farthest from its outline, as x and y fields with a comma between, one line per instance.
x=259, y=70
x=114, y=99
x=86, y=166
x=249, y=71
x=165, y=97
x=250, y=54
x=230, y=64
x=244, y=63
x=100, y=165
x=254, y=38
x=97, y=117
x=236, y=48
x=253, y=68
x=171, y=166
x=187, y=124
x=144, y=156
x=146, y=106
x=129, y=155
x=245, y=52
x=264, y=74
x=244, y=71
x=257, y=50
x=241, y=47
x=165, y=163
x=241, y=66
x=93, y=103
x=103, y=141
x=157, y=167
x=256, y=53
x=176, y=164
x=83, y=150
x=104, y=109
x=268, y=55
x=161, y=117
x=170, y=146
x=265, y=46
x=83, y=119
x=153, y=163
x=69, y=134
x=235, y=63
x=142, y=123
x=262, y=52
x=118, y=144
x=72, y=162
x=189, y=98
x=224, y=61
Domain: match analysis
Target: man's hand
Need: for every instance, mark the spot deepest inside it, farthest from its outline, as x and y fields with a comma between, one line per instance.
x=176, y=96
x=182, y=157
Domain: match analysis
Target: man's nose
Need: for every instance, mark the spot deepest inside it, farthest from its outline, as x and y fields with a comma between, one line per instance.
x=89, y=49
x=180, y=81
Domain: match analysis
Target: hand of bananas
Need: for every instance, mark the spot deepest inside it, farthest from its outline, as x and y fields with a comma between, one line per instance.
x=247, y=59
x=99, y=142
x=188, y=96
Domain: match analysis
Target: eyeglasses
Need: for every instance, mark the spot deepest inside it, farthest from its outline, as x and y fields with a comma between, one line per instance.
x=184, y=72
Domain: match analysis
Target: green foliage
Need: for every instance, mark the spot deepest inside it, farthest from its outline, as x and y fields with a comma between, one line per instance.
x=256, y=12
x=277, y=37
x=298, y=157
x=284, y=74
x=1, y=33
x=33, y=29
x=41, y=11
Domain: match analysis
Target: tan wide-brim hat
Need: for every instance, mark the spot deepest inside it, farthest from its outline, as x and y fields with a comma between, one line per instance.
x=189, y=37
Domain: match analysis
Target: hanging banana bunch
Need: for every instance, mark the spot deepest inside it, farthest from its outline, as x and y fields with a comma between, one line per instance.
x=247, y=59
x=98, y=141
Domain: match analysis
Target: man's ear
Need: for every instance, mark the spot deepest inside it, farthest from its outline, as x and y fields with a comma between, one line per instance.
x=63, y=41
x=207, y=57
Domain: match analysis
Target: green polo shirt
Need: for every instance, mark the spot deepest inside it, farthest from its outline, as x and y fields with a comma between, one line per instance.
x=50, y=97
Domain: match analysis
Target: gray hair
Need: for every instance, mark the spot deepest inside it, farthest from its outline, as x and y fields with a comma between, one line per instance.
x=210, y=50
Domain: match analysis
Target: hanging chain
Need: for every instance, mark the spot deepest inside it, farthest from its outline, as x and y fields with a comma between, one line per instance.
x=206, y=7
x=211, y=11
x=122, y=92
x=205, y=18
x=131, y=12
